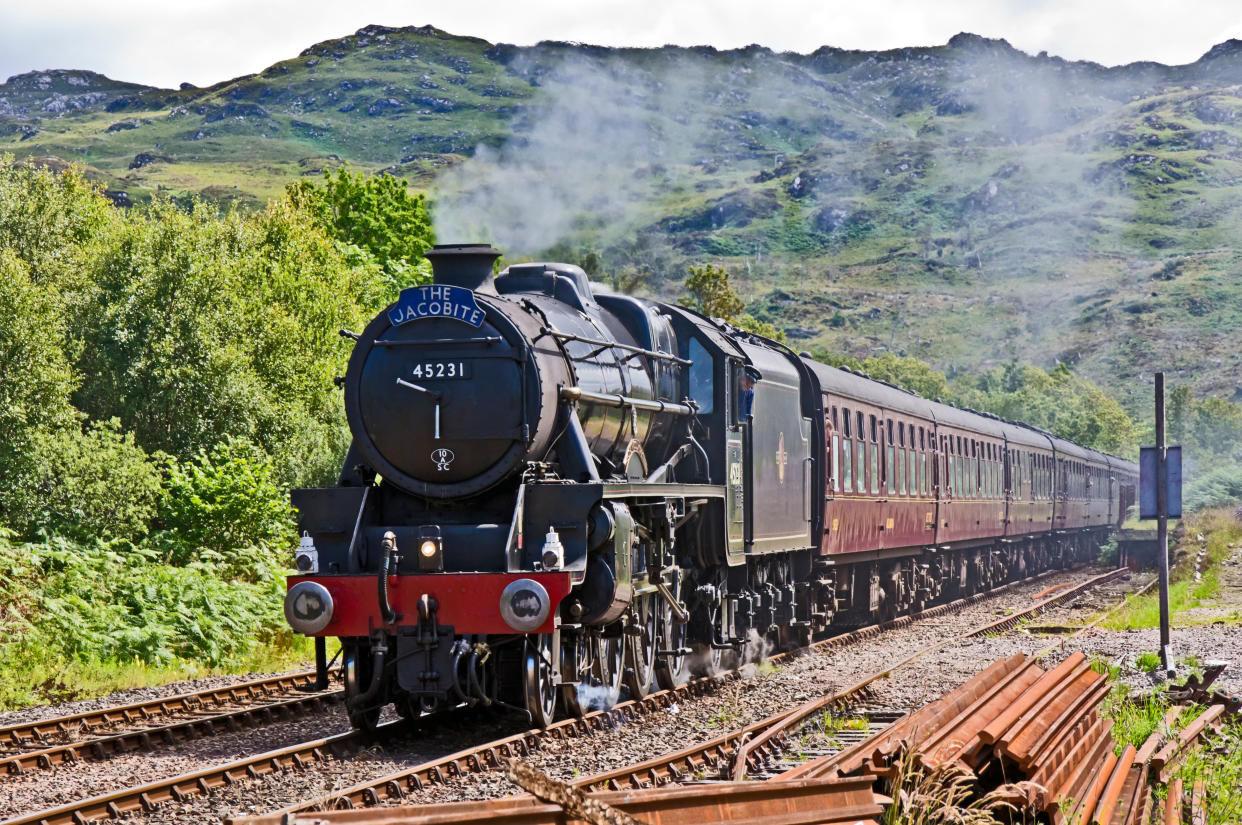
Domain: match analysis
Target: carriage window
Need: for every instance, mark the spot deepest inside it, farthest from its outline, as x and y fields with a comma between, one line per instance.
x=890, y=432
x=834, y=417
x=860, y=467
x=890, y=479
x=924, y=482
x=875, y=431
x=861, y=432
x=836, y=462
x=911, y=472
x=848, y=456
x=845, y=419
x=875, y=469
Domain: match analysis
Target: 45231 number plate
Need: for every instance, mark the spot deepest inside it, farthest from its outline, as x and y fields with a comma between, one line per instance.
x=437, y=369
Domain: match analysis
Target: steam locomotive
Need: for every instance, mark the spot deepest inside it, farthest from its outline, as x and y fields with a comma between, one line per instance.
x=555, y=493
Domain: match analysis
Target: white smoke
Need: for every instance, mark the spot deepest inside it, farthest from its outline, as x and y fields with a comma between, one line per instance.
x=612, y=148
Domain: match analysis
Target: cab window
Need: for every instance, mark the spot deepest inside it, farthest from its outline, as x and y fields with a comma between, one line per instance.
x=702, y=388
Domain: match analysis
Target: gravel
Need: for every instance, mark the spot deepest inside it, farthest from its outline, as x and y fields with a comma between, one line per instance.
x=761, y=693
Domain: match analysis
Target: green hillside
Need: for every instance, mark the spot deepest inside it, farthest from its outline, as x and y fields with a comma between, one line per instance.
x=968, y=204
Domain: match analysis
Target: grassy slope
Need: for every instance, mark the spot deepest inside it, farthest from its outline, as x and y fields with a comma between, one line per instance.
x=967, y=204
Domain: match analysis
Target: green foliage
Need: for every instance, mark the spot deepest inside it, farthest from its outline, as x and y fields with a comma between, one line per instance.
x=49, y=221
x=1061, y=402
x=1220, y=487
x=1217, y=763
x=165, y=375
x=225, y=504
x=377, y=214
x=907, y=373
x=35, y=382
x=1148, y=661
x=1134, y=718
x=750, y=323
x=92, y=482
x=204, y=327
x=708, y=291
x=95, y=601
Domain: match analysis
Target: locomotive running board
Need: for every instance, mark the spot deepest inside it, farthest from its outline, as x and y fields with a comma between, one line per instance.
x=641, y=490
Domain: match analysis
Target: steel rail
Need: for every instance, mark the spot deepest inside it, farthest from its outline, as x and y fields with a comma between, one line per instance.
x=146, y=797
x=145, y=739
x=773, y=736
x=108, y=719
x=397, y=786
x=488, y=756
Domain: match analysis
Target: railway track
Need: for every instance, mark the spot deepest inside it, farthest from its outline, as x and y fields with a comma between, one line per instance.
x=776, y=745
x=101, y=734
x=492, y=755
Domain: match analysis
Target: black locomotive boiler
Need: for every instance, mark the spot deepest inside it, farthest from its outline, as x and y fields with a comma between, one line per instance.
x=555, y=493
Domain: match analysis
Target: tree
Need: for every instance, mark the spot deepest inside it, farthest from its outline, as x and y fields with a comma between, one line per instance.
x=377, y=215
x=36, y=380
x=203, y=327
x=908, y=373
x=709, y=293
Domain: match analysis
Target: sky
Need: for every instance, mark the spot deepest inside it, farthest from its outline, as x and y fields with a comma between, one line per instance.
x=167, y=42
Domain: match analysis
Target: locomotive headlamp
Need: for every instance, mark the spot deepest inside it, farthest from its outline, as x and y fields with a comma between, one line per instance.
x=553, y=554
x=430, y=549
x=306, y=559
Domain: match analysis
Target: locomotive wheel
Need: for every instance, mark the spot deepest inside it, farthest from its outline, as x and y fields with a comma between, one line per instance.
x=596, y=678
x=359, y=667
x=640, y=648
x=673, y=670
x=538, y=680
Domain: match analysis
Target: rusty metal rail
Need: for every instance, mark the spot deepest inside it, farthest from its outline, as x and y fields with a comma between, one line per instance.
x=144, y=739
x=489, y=756
x=1016, y=721
x=73, y=728
x=849, y=801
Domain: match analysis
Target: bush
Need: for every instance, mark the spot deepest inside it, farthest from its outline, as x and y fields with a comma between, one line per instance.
x=94, y=601
x=93, y=482
x=225, y=505
x=1221, y=487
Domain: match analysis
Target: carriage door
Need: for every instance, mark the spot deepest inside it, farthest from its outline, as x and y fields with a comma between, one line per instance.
x=735, y=478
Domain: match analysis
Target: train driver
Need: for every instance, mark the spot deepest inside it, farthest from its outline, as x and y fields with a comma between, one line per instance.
x=747, y=376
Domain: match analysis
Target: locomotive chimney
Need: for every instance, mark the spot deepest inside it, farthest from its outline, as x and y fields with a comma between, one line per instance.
x=467, y=265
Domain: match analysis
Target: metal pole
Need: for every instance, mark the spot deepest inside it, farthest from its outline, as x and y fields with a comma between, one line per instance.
x=1162, y=527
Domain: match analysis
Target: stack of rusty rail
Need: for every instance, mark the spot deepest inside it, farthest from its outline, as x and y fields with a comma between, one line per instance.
x=1014, y=721
x=1017, y=721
